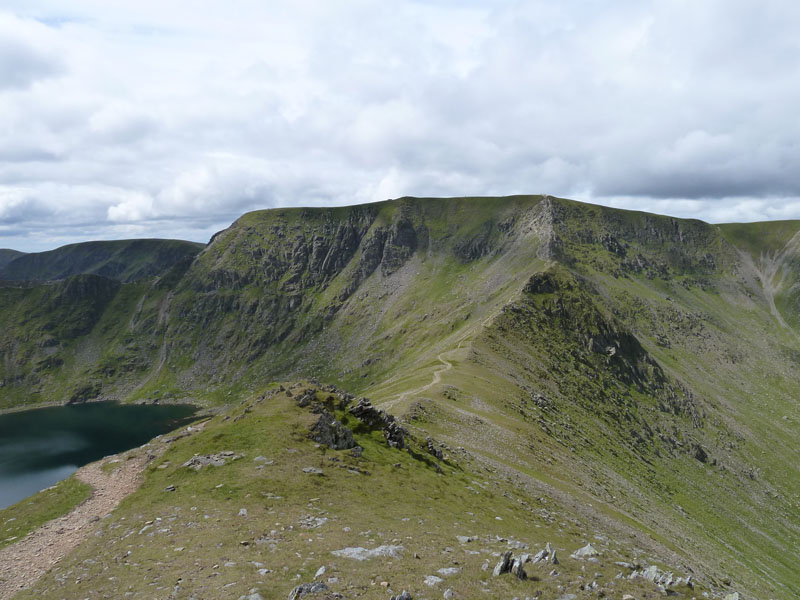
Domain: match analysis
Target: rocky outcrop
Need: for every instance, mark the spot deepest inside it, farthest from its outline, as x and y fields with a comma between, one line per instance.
x=587, y=552
x=661, y=578
x=307, y=589
x=375, y=418
x=509, y=564
x=327, y=430
x=215, y=460
x=401, y=242
x=475, y=246
x=432, y=449
x=546, y=555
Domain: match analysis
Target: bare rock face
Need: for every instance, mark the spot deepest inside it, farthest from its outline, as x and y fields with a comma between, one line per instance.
x=401, y=242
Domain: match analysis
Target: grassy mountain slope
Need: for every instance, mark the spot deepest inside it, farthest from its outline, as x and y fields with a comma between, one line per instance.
x=262, y=523
x=123, y=260
x=634, y=371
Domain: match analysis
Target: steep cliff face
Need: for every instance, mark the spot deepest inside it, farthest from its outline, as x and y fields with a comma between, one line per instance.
x=267, y=294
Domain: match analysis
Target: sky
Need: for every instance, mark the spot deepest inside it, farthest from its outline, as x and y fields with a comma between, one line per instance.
x=171, y=119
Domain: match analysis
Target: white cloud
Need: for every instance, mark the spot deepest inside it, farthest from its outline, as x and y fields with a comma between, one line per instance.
x=156, y=118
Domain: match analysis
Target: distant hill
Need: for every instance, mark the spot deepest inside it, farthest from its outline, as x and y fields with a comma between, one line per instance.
x=7, y=255
x=123, y=260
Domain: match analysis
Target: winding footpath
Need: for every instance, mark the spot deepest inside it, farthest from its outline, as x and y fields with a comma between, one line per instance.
x=437, y=374
x=437, y=378
x=24, y=562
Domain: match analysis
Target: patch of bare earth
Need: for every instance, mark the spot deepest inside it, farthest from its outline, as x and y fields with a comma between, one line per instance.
x=24, y=562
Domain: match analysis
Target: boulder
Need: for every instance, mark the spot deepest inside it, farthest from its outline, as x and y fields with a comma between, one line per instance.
x=359, y=553
x=588, y=551
x=516, y=569
x=504, y=565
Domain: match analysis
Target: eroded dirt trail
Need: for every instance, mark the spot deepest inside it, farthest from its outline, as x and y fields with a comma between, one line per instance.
x=437, y=378
x=437, y=374
x=24, y=562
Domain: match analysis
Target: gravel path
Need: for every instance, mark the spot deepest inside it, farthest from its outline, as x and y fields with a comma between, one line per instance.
x=22, y=563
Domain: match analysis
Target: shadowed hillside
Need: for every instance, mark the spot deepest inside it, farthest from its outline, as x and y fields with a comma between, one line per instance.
x=7, y=255
x=124, y=260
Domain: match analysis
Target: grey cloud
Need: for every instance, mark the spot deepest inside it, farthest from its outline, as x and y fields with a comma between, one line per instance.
x=22, y=63
x=24, y=154
x=18, y=209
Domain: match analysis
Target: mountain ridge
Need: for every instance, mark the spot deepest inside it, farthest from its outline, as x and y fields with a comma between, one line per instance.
x=123, y=260
x=635, y=363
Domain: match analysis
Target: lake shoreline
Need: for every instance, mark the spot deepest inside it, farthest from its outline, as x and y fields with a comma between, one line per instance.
x=160, y=402
x=38, y=443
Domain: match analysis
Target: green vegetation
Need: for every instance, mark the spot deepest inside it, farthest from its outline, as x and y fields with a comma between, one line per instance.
x=7, y=255
x=633, y=373
x=198, y=540
x=20, y=519
x=767, y=238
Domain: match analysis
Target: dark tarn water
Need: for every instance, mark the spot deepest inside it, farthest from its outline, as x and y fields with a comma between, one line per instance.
x=42, y=446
